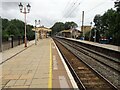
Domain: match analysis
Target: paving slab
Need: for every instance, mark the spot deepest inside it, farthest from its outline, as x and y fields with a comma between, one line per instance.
x=60, y=76
x=38, y=66
x=13, y=51
x=28, y=69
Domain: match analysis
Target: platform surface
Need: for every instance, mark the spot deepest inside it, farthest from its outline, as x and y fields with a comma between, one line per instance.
x=107, y=46
x=60, y=78
x=38, y=66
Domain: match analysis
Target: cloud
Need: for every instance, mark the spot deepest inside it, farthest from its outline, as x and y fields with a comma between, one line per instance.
x=50, y=11
x=16, y=0
x=9, y=5
x=71, y=13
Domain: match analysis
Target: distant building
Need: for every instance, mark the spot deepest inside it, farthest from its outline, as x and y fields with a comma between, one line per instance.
x=42, y=32
x=71, y=33
x=85, y=29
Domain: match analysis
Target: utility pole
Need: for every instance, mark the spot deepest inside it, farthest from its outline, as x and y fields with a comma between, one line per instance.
x=83, y=24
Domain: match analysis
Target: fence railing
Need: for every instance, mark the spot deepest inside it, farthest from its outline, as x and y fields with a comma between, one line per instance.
x=10, y=44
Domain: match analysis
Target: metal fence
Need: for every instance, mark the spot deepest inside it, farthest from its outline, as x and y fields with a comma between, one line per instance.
x=10, y=44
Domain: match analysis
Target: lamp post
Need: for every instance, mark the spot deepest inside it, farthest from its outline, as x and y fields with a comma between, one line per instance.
x=71, y=31
x=36, y=31
x=25, y=11
x=90, y=31
x=95, y=36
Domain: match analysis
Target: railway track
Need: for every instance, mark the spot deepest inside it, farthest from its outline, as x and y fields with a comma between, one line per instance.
x=86, y=76
x=113, y=62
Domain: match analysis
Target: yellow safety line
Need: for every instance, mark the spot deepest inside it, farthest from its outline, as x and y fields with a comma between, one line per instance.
x=50, y=69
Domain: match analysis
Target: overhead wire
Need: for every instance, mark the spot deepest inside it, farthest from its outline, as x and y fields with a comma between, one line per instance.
x=72, y=8
x=92, y=10
x=73, y=11
x=66, y=6
x=95, y=7
x=69, y=11
x=87, y=12
x=51, y=19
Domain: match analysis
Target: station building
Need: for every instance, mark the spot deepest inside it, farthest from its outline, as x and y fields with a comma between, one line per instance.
x=42, y=32
x=85, y=29
x=70, y=33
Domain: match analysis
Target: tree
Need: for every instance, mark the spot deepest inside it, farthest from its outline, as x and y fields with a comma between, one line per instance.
x=117, y=5
x=57, y=27
x=117, y=22
x=69, y=25
x=12, y=30
x=30, y=33
x=16, y=28
x=5, y=22
x=98, y=27
x=108, y=24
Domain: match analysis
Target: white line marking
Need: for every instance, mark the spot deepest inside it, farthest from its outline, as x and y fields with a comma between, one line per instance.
x=55, y=66
x=63, y=82
x=67, y=70
x=53, y=47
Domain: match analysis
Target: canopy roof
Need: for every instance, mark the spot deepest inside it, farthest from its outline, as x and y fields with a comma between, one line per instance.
x=69, y=31
x=42, y=29
x=65, y=31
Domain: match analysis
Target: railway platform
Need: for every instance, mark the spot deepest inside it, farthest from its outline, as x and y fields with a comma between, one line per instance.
x=106, y=46
x=38, y=66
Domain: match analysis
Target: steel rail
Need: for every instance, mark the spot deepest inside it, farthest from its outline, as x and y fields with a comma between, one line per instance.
x=101, y=76
x=79, y=82
x=90, y=51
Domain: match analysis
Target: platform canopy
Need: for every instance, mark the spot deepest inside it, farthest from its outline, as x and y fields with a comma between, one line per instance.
x=42, y=29
x=65, y=31
x=69, y=31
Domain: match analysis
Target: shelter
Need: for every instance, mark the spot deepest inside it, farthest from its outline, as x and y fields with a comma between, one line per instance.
x=86, y=29
x=42, y=32
x=70, y=33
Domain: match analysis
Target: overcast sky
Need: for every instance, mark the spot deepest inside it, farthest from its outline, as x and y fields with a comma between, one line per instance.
x=51, y=11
